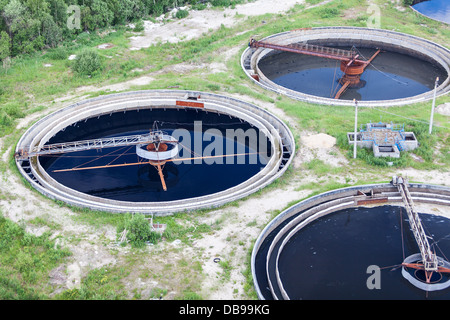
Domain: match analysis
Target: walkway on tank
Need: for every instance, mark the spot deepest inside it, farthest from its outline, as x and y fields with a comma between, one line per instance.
x=429, y=260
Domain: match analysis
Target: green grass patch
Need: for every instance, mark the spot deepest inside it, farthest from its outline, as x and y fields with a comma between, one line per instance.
x=25, y=259
x=100, y=284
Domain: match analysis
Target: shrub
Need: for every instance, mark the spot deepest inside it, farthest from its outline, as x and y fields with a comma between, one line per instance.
x=87, y=63
x=199, y=6
x=408, y=3
x=5, y=45
x=139, y=26
x=221, y=3
x=139, y=232
x=181, y=14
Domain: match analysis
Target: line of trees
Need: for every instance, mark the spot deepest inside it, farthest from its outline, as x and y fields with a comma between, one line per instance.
x=30, y=25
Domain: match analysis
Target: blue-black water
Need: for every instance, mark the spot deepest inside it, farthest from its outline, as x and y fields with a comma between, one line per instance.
x=141, y=183
x=391, y=75
x=329, y=258
x=435, y=9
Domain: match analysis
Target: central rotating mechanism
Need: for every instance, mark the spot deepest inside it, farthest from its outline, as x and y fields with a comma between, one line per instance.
x=161, y=149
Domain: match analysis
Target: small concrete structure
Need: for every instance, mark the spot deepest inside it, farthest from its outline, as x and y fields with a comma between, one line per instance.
x=385, y=139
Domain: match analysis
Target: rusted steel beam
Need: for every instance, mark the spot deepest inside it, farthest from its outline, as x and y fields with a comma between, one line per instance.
x=312, y=50
x=371, y=201
x=371, y=58
x=341, y=91
x=161, y=176
x=420, y=266
x=190, y=104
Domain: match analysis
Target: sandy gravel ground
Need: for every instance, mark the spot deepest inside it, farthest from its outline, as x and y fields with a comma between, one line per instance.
x=204, y=21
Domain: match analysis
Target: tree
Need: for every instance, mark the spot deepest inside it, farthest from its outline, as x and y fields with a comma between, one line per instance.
x=51, y=32
x=12, y=14
x=5, y=46
x=24, y=29
x=97, y=15
x=101, y=15
x=58, y=11
x=37, y=8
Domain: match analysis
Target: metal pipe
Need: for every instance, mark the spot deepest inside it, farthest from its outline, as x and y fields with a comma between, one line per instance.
x=356, y=128
x=432, y=106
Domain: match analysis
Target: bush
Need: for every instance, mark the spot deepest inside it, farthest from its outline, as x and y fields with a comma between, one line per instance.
x=87, y=63
x=221, y=3
x=199, y=6
x=5, y=45
x=181, y=14
x=408, y=3
x=139, y=26
x=139, y=232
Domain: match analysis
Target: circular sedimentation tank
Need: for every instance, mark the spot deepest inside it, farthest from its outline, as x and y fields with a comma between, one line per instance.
x=438, y=10
x=211, y=150
x=403, y=72
x=327, y=246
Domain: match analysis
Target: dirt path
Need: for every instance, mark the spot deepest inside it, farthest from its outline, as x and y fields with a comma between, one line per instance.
x=204, y=21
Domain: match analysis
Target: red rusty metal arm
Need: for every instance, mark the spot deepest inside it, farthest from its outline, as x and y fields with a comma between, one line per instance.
x=161, y=175
x=428, y=274
x=312, y=50
x=341, y=91
x=420, y=266
x=371, y=58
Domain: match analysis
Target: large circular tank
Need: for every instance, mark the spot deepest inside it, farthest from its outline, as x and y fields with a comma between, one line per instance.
x=215, y=149
x=328, y=246
x=404, y=71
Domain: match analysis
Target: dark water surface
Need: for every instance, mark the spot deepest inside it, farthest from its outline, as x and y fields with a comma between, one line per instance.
x=141, y=183
x=328, y=259
x=435, y=9
x=391, y=75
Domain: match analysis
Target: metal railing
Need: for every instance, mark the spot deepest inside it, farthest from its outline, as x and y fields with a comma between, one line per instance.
x=64, y=147
x=310, y=49
x=429, y=259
